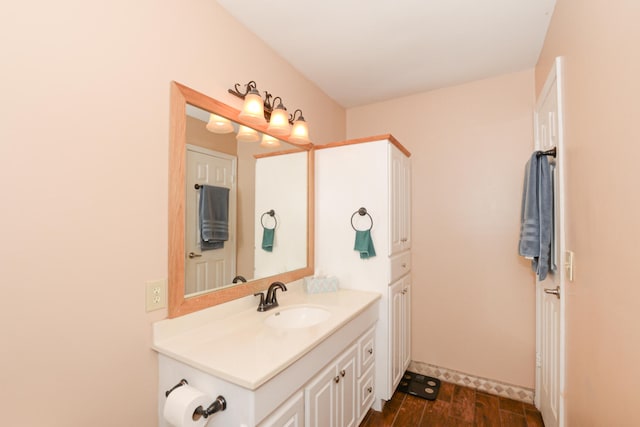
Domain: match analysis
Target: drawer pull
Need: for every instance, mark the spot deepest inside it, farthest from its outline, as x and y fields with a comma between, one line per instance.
x=336, y=379
x=342, y=373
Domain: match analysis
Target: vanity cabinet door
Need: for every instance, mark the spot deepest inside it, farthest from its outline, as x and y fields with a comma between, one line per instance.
x=400, y=324
x=331, y=397
x=289, y=414
x=347, y=389
x=400, y=201
x=321, y=400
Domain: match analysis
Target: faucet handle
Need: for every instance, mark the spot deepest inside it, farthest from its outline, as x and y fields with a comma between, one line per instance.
x=261, y=305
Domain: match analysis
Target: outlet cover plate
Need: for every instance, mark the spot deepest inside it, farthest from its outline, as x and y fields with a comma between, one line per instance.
x=156, y=294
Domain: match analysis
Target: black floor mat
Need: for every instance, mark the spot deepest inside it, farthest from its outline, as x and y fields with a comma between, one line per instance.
x=419, y=385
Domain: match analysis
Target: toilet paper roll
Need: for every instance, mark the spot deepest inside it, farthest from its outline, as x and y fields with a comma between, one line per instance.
x=181, y=404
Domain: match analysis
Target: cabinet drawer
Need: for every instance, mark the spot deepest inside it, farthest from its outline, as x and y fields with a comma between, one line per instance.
x=366, y=391
x=366, y=351
x=400, y=265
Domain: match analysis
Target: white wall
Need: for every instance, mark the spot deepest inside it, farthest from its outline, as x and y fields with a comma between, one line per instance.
x=83, y=165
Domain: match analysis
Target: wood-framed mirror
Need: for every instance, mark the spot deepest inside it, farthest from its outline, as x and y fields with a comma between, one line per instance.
x=279, y=180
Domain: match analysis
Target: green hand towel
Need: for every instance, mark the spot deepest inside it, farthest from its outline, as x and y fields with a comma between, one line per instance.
x=364, y=244
x=267, y=239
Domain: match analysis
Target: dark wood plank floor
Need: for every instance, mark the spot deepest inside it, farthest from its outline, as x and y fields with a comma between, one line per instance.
x=455, y=406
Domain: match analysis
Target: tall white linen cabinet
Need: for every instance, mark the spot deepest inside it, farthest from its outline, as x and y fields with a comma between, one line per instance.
x=375, y=174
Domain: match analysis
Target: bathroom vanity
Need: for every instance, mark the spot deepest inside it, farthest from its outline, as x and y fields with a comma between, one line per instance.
x=309, y=361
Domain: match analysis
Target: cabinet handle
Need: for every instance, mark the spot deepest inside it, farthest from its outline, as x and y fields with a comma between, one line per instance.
x=342, y=373
x=336, y=379
x=369, y=389
x=370, y=351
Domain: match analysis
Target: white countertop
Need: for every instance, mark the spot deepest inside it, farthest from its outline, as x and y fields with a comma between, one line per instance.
x=232, y=342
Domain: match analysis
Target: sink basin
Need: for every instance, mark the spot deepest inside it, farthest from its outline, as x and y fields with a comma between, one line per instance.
x=297, y=317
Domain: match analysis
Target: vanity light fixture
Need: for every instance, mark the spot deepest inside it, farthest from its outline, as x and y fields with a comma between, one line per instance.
x=253, y=108
x=218, y=124
x=300, y=131
x=246, y=134
x=279, y=122
x=269, y=141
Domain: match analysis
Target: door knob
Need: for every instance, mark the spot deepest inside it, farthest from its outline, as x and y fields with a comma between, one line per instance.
x=555, y=291
x=194, y=255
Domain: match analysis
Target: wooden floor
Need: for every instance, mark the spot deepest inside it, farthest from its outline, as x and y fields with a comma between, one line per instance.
x=455, y=406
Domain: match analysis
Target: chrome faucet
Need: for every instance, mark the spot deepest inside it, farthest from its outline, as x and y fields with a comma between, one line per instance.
x=270, y=301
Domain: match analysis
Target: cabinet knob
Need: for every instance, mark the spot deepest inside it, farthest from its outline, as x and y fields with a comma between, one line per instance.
x=404, y=265
x=370, y=351
x=369, y=389
x=342, y=373
x=336, y=379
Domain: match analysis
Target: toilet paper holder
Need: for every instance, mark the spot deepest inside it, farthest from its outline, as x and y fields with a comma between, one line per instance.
x=220, y=404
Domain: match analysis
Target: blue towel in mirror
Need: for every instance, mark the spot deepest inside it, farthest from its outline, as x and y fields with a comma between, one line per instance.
x=364, y=244
x=214, y=217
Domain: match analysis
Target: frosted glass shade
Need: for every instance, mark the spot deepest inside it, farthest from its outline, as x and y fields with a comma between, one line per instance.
x=300, y=132
x=279, y=123
x=269, y=141
x=219, y=124
x=253, y=109
x=246, y=134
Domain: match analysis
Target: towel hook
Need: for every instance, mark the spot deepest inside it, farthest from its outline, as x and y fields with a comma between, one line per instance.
x=361, y=212
x=272, y=214
x=552, y=152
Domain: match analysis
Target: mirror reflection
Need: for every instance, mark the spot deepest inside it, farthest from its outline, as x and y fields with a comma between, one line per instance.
x=245, y=204
x=261, y=178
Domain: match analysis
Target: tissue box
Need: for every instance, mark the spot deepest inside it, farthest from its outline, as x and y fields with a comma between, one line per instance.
x=315, y=285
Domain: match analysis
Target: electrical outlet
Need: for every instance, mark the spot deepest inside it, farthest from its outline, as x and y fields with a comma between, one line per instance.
x=156, y=294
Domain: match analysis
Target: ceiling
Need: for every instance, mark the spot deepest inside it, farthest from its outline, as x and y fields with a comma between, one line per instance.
x=364, y=51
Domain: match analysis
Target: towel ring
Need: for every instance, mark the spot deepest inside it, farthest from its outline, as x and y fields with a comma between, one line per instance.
x=361, y=212
x=272, y=214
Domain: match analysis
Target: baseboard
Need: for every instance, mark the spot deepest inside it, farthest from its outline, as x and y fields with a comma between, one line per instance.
x=472, y=381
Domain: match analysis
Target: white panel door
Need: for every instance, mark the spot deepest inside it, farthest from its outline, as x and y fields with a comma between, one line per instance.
x=289, y=414
x=406, y=322
x=550, y=293
x=211, y=269
x=347, y=389
x=396, y=322
x=321, y=400
x=400, y=203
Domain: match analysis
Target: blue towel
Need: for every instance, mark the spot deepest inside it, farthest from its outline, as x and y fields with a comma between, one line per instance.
x=267, y=238
x=214, y=217
x=364, y=244
x=536, y=225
